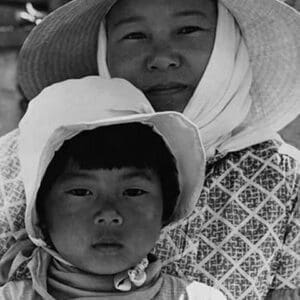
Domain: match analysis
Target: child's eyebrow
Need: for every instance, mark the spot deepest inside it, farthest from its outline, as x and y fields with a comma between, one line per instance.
x=127, y=175
x=136, y=174
x=78, y=174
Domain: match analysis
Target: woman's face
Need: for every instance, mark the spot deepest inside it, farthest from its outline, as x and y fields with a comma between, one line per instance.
x=161, y=46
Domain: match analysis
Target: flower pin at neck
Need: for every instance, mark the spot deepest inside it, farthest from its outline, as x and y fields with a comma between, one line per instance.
x=123, y=281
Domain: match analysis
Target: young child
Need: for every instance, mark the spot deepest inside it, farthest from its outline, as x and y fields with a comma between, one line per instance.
x=100, y=183
x=232, y=67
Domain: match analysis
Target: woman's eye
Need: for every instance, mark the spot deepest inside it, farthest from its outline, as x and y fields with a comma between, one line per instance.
x=79, y=192
x=134, y=36
x=134, y=192
x=189, y=29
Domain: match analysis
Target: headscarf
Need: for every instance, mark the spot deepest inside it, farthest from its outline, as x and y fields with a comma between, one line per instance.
x=222, y=100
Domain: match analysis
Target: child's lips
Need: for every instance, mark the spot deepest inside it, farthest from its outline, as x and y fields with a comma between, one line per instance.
x=107, y=246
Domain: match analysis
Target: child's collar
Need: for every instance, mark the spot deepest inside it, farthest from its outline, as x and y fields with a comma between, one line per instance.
x=64, y=280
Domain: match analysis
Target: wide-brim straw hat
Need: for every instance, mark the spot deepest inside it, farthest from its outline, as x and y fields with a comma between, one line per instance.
x=64, y=109
x=64, y=45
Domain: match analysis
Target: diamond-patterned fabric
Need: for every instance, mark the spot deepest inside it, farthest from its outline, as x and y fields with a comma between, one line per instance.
x=243, y=237
x=12, y=194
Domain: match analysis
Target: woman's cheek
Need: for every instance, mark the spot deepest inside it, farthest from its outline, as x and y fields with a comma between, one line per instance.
x=126, y=60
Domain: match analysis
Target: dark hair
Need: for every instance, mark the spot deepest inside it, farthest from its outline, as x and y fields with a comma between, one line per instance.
x=117, y=146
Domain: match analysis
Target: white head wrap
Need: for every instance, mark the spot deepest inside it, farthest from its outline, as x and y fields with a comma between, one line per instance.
x=221, y=101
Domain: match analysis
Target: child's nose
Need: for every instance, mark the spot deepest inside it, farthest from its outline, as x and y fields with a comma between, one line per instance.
x=108, y=217
x=162, y=60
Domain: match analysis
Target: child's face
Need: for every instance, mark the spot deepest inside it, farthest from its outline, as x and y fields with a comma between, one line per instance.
x=104, y=221
x=161, y=46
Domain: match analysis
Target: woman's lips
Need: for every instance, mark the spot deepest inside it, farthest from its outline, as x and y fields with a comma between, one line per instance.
x=165, y=89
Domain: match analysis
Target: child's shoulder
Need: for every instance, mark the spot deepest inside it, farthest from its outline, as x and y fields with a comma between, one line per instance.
x=177, y=288
x=17, y=290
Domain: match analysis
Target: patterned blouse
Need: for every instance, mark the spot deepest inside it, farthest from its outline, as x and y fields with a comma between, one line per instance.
x=243, y=237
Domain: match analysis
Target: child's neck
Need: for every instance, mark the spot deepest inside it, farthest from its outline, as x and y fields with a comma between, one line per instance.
x=67, y=281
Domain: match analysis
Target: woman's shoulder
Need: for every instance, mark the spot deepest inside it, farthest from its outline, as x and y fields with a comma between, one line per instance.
x=9, y=144
x=278, y=153
x=267, y=170
x=268, y=160
x=12, y=195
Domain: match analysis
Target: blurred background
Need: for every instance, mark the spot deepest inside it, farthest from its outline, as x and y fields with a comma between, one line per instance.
x=17, y=18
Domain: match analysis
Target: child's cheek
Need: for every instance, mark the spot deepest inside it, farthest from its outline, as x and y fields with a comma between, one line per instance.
x=147, y=212
x=68, y=210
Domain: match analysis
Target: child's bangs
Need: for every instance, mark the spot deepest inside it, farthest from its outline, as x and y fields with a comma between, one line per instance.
x=117, y=146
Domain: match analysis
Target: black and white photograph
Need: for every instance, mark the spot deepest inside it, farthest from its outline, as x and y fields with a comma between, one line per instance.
x=150, y=149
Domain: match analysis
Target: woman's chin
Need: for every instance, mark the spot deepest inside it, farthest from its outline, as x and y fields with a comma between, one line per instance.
x=175, y=101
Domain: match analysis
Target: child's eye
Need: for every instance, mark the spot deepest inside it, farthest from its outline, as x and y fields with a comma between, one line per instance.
x=189, y=29
x=134, y=192
x=80, y=192
x=134, y=36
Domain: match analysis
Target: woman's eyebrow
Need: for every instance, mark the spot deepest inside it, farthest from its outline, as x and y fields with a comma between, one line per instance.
x=188, y=13
x=126, y=20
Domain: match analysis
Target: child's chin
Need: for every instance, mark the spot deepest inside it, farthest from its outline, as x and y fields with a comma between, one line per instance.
x=108, y=268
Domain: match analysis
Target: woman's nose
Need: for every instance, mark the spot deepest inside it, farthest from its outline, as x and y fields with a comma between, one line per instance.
x=108, y=217
x=163, y=60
